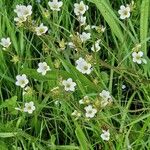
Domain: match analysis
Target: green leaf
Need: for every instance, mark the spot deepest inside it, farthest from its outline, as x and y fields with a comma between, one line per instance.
x=145, y=10
x=110, y=17
x=3, y=146
x=84, y=144
x=51, y=75
x=7, y=134
x=10, y=104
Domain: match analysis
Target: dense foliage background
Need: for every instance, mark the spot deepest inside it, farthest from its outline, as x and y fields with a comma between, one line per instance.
x=52, y=126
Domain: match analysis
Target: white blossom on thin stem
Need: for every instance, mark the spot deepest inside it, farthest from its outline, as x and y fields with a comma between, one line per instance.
x=124, y=12
x=105, y=135
x=90, y=111
x=82, y=20
x=105, y=98
x=83, y=66
x=22, y=12
x=43, y=68
x=5, y=42
x=41, y=29
x=69, y=85
x=55, y=5
x=22, y=80
x=138, y=57
x=80, y=9
x=29, y=107
x=96, y=46
x=85, y=36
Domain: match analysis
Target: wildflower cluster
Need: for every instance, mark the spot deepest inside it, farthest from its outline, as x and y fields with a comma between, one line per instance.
x=80, y=55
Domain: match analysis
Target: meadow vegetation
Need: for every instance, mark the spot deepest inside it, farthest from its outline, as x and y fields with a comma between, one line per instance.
x=74, y=75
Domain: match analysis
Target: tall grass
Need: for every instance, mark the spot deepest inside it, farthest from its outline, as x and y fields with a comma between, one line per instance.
x=52, y=126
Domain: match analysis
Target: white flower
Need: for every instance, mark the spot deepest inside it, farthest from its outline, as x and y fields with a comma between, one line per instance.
x=137, y=57
x=69, y=84
x=29, y=107
x=83, y=66
x=90, y=111
x=85, y=36
x=84, y=100
x=106, y=98
x=80, y=9
x=55, y=5
x=105, y=135
x=105, y=94
x=71, y=45
x=43, y=68
x=57, y=103
x=123, y=86
x=20, y=19
x=41, y=29
x=22, y=13
x=22, y=80
x=5, y=42
x=82, y=20
x=22, y=10
x=76, y=113
x=96, y=47
x=124, y=12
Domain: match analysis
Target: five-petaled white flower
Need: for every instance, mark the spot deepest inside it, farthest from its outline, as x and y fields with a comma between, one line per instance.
x=85, y=36
x=5, y=42
x=55, y=5
x=43, y=68
x=82, y=20
x=80, y=9
x=124, y=12
x=69, y=84
x=41, y=29
x=105, y=135
x=29, y=107
x=137, y=57
x=105, y=94
x=90, y=111
x=22, y=13
x=106, y=98
x=95, y=46
x=83, y=66
x=22, y=80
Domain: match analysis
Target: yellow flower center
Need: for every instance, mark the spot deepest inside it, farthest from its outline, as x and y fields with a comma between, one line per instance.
x=85, y=67
x=22, y=81
x=81, y=8
x=68, y=85
x=125, y=12
x=41, y=30
x=29, y=107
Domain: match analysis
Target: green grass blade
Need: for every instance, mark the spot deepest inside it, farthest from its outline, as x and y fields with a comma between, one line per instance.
x=145, y=10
